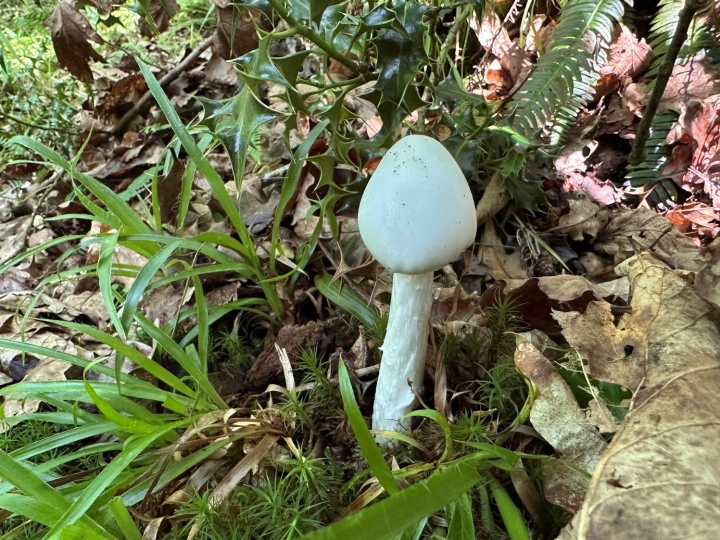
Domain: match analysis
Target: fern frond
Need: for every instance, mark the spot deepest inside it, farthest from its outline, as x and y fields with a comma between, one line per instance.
x=565, y=76
x=663, y=27
x=657, y=155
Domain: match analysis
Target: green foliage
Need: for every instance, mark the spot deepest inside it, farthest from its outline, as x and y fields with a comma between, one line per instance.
x=565, y=75
x=649, y=174
x=293, y=499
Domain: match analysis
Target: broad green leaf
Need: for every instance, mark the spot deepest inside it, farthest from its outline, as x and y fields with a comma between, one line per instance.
x=400, y=55
x=400, y=512
x=459, y=516
x=369, y=449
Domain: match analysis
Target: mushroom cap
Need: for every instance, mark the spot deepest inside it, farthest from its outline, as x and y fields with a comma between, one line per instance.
x=417, y=212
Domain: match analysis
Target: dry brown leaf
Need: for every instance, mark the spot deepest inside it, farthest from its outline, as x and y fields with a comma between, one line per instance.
x=494, y=38
x=633, y=231
x=43, y=368
x=695, y=220
x=267, y=368
x=501, y=265
x=697, y=80
x=71, y=33
x=563, y=485
x=583, y=218
x=555, y=413
x=660, y=478
x=627, y=57
x=104, y=7
x=699, y=127
x=707, y=280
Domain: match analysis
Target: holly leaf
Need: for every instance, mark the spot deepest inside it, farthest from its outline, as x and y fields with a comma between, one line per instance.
x=234, y=122
x=318, y=7
x=451, y=92
x=71, y=33
x=526, y=194
x=257, y=65
x=400, y=55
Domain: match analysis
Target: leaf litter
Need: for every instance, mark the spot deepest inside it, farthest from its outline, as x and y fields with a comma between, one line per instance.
x=652, y=330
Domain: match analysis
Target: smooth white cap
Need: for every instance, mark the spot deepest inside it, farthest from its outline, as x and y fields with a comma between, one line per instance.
x=417, y=212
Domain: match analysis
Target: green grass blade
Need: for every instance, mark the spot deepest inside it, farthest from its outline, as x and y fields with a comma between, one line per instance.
x=443, y=423
x=104, y=272
x=347, y=299
x=133, y=354
x=143, y=280
x=133, y=448
x=32, y=486
x=459, y=516
x=403, y=510
x=119, y=208
x=124, y=520
x=203, y=325
x=63, y=438
x=196, y=155
x=511, y=516
x=182, y=358
x=370, y=450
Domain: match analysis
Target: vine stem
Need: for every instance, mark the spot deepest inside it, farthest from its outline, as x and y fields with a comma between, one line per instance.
x=310, y=34
x=685, y=17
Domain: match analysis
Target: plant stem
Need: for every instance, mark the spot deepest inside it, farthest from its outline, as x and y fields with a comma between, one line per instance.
x=403, y=351
x=685, y=17
x=310, y=34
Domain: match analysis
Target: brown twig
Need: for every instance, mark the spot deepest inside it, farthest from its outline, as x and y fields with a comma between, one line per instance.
x=168, y=78
x=685, y=17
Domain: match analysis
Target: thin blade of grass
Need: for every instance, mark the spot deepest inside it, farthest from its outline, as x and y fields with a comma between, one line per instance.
x=115, y=204
x=32, y=486
x=133, y=448
x=124, y=520
x=370, y=451
x=511, y=515
x=104, y=272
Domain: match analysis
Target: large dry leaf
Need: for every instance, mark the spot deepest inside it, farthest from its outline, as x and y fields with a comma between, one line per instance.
x=71, y=33
x=501, y=265
x=628, y=57
x=699, y=123
x=555, y=413
x=630, y=232
x=660, y=476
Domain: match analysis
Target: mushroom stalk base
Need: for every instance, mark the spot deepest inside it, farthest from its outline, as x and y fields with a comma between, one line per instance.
x=404, y=350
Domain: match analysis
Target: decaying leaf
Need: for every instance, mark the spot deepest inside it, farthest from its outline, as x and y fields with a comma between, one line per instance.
x=628, y=57
x=501, y=265
x=555, y=413
x=699, y=124
x=71, y=33
x=267, y=366
x=659, y=477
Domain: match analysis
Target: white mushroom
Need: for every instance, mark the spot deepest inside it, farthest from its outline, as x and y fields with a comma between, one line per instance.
x=416, y=215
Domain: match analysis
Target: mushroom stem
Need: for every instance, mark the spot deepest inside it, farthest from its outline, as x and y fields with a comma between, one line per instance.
x=403, y=351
